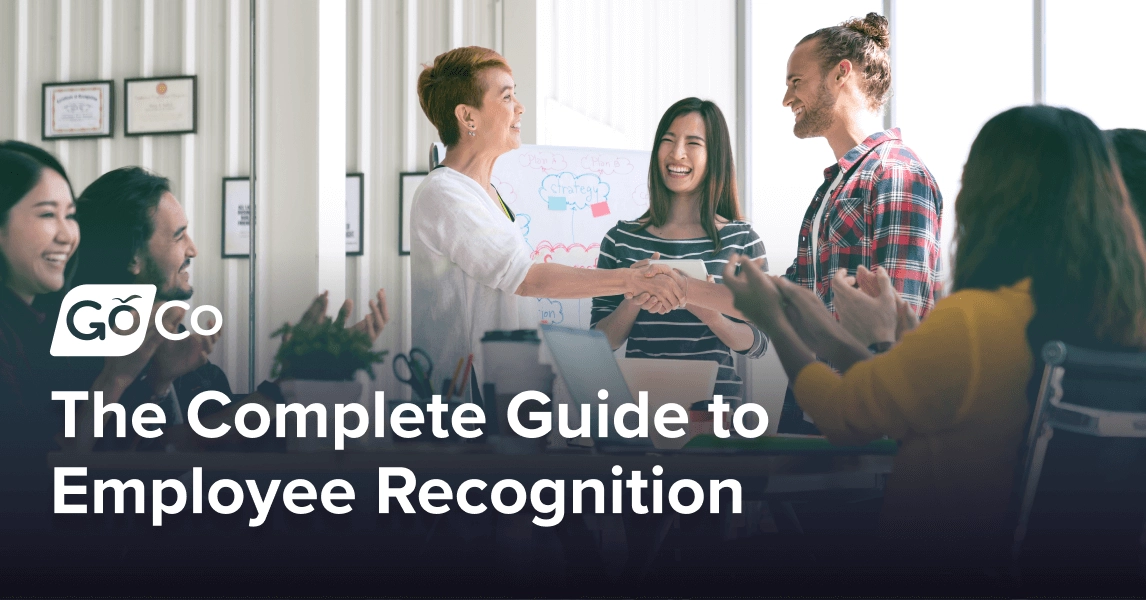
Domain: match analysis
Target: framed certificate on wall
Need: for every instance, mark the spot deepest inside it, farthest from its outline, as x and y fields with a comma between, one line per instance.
x=236, y=217
x=160, y=105
x=407, y=183
x=77, y=110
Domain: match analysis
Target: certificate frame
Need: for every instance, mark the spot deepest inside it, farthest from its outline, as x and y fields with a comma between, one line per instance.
x=355, y=249
x=106, y=127
x=232, y=193
x=407, y=183
x=128, y=84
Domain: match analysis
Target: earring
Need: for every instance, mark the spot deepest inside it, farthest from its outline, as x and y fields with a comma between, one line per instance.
x=471, y=132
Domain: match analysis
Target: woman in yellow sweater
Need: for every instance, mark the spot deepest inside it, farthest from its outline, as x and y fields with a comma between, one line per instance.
x=1047, y=248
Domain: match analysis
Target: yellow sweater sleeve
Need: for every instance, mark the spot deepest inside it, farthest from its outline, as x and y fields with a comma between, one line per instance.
x=919, y=385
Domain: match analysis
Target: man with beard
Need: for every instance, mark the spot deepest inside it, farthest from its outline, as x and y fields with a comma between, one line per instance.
x=134, y=230
x=879, y=206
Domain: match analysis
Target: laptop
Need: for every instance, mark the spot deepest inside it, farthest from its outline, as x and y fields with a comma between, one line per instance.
x=587, y=365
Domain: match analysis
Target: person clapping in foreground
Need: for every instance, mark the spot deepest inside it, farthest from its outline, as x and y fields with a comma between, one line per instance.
x=1047, y=249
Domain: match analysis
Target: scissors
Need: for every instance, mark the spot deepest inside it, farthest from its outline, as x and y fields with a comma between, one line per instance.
x=415, y=370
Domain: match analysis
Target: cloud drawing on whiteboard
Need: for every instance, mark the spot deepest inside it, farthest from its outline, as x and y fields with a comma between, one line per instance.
x=604, y=164
x=566, y=191
x=573, y=255
x=641, y=198
x=543, y=160
x=505, y=189
x=550, y=312
x=523, y=220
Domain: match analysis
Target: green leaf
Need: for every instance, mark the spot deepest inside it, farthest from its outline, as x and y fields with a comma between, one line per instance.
x=325, y=351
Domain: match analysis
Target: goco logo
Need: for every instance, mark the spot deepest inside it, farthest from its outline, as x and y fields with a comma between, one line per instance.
x=112, y=320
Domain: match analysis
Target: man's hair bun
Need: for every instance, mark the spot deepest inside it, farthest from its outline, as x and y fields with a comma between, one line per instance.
x=874, y=27
x=865, y=43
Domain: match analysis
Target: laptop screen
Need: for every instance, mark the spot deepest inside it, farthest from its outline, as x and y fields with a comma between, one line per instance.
x=587, y=365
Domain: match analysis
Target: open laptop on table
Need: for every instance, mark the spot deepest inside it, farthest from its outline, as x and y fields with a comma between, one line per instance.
x=587, y=364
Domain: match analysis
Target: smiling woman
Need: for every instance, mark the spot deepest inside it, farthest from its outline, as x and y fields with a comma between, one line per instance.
x=38, y=231
x=38, y=241
x=694, y=213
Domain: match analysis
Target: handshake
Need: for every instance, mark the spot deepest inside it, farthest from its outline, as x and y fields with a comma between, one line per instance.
x=658, y=288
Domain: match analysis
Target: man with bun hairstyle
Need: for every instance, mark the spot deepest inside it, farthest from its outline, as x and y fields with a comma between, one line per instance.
x=878, y=207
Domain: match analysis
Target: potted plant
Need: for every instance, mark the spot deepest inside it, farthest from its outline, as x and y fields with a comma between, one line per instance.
x=317, y=362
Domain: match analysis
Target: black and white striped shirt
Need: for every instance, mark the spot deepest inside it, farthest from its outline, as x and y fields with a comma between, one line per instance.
x=680, y=334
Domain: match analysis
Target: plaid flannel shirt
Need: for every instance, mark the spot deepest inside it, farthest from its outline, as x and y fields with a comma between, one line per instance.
x=886, y=211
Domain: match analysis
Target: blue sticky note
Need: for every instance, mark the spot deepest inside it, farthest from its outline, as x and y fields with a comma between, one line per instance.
x=557, y=203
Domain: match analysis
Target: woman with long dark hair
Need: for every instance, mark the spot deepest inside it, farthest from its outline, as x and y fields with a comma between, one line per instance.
x=694, y=213
x=1048, y=247
x=38, y=240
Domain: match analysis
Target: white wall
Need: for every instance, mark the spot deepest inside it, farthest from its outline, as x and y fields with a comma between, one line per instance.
x=1091, y=53
x=74, y=40
x=610, y=69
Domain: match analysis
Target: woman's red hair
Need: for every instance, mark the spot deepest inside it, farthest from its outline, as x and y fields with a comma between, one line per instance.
x=453, y=79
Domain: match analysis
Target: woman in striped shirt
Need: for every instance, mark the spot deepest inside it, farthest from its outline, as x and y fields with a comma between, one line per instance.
x=693, y=213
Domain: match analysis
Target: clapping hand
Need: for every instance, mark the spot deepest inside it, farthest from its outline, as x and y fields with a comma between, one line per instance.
x=872, y=311
x=372, y=324
x=869, y=282
x=754, y=293
x=126, y=368
x=810, y=318
x=375, y=320
x=175, y=358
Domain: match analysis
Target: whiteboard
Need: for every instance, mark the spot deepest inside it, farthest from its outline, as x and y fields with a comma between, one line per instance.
x=566, y=199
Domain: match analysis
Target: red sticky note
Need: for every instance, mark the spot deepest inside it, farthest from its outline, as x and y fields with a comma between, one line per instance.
x=600, y=209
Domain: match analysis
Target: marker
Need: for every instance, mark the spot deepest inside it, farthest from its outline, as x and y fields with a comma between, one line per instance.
x=454, y=379
x=466, y=375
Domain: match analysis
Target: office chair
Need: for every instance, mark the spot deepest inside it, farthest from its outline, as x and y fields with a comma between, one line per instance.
x=1082, y=485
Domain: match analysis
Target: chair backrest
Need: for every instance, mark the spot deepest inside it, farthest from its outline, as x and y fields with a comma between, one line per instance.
x=1082, y=484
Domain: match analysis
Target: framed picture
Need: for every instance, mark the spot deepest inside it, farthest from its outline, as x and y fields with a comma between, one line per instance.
x=354, y=213
x=160, y=105
x=78, y=110
x=236, y=217
x=407, y=183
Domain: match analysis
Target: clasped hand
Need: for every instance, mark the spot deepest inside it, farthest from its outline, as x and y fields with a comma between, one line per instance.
x=661, y=288
x=176, y=358
x=873, y=312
